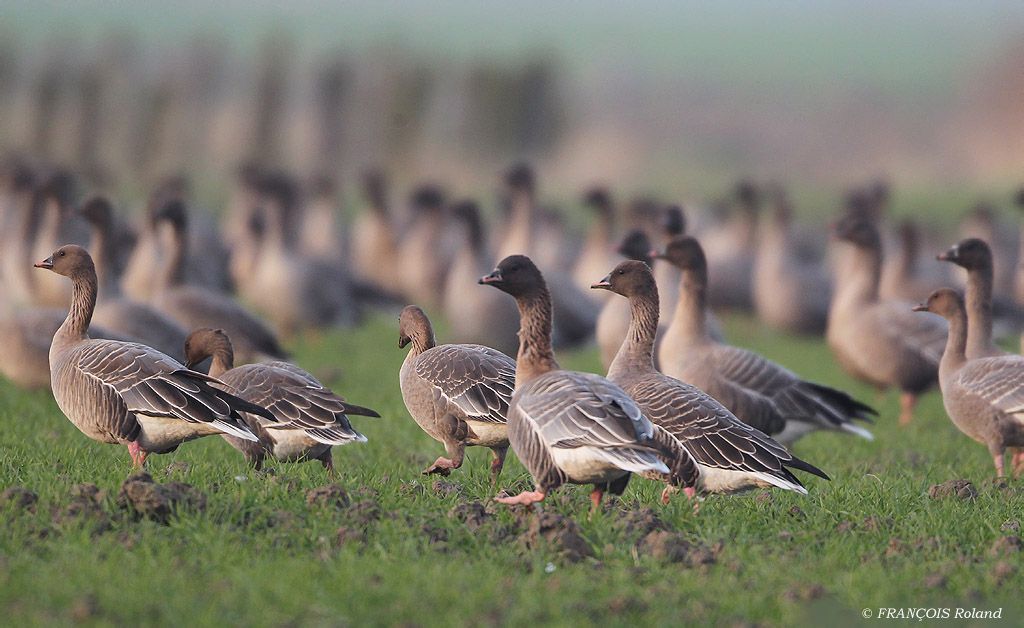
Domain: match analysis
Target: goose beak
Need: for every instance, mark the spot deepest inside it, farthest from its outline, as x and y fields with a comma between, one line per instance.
x=656, y=254
x=947, y=256
x=46, y=263
x=920, y=307
x=403, y=341
x=604, y=284
x=492, y=279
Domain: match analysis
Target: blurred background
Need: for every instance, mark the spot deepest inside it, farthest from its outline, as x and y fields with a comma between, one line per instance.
x=675, y=97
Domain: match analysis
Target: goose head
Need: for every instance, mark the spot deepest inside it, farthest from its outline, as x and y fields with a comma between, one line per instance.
x=69, y=260
x=629, y=278
x=516, y=275
x=636, y=246
x=412, y=324
x=945, y=302
x=972, y=254
x=685, y=253
x=204, y=343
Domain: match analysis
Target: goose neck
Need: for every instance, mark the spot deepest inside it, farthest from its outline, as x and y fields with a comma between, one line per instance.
x=535, y=355
x=636, y=355
x=979, y=307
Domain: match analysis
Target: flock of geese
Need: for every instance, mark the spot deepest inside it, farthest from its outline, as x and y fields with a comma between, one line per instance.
x=138, y=336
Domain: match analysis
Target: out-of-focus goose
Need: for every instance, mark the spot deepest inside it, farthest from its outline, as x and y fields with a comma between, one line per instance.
x=518, y=199
x=195, y=307
x=128, y=393
x=905, y=277
x=984, y=397
x=762, y=393
x=598, y=253
x=423, y=260
x=477, y=316
x=671, y=224
x=321, y=233
x=374, y=243
x=731, y=455
x=458, y=394
x=984, y=222
x=570, y=427
x=54, y=201
x=114, y=311
x=975, y=256
x=730, y=252
x=877, y=341
x=789, y=294
x=310, y=418
x=20, y=224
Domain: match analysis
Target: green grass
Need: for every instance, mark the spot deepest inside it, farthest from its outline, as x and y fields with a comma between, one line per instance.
x=259, y=555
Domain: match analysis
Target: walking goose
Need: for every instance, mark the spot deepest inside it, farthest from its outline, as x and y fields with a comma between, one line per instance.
x=731, y=455
x=310, y=418
x=571, y=427
x=984, y=397
x=458, y=394
x=874, y=340
x=975, y=256
x=195, y=307
x=128, y=393
x=762, y=393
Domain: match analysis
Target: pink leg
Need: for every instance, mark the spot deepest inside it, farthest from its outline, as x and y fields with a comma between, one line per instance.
x=525, y=498
x=907, y=403
x=998, y=459
x=138, y=454
x=443, y=466
x=595, y=499
x=1017, y=461
x=666, y=495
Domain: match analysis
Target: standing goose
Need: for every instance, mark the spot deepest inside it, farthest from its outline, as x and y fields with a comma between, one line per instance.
x=762, y=393
x=374, y=243
x=53, y=204
x=571, y=427
x=984, y=397
x=905, y=277
x=458, y=394
x=477, y=316
x=423, y=259
x=671, y=224
x=128, y=393
x=310, y=418
x=113, y=310
x=613, y=322
x=731, y=455
x=975, y=256
x=195, y=307
x=598, y=251
x=730, y=251
x=877, y=341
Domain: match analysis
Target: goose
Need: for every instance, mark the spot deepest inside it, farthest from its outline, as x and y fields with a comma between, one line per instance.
x=762, y=393
x=731, y=455
x=905, y=278
x=477, y=316
x=730, y=252
x=572, y=427
x=984, y=397
x=321, y=234
x=374, y=242
x=422, y=260
x=519, y=203
x=789, y=294
x=310, y=418
x=128, y=393
x=975, y=256
x=53, y=203
x=20, y=225
x=984, y=222
x=194, y=307
x=457, y=393
x=878, y=341
x=671, y=224
x=598, y=251
x=613, y=322
x=114, y=311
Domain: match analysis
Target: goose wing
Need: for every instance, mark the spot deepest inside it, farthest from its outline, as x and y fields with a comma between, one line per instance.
x=999, y=381
x=477, y=379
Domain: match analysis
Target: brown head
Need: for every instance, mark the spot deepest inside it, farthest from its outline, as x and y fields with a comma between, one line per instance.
x=629, y=278
x=858, y=231
x=69, y=260
x=414, y=326
x=98, y=212
x=685, y=253
x=673, y=221
x=467, y=212
x=205, y=343
x=972, y=254
x=172, y=211
x=599, y=200
x=945, y=302
x=748, y=195
x=520, y=178
x=636, y=245
x=428, y=199
x=518, y=276
x=58, y=190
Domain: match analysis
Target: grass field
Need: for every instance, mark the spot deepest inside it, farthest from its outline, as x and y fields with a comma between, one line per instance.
x=408, y=551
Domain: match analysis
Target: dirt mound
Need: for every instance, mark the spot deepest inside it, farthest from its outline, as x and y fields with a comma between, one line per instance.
x=19, y=498
x=150, y=500
x=561, y=534
x=328, y=495
x=961, y=489
x=674, y=548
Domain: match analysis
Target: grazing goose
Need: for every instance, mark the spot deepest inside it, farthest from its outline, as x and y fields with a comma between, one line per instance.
x=789, y=294
x=127, y=393
x=195, y=307
x=310, y=418
x=975, y=256
x=422, y=259
x=731, y=455
x=477, y=316
x=762, y=393
x=598, y=251
x=458, y=394
x=984, y=397
x=119, y=313
x=876, y=341
x=613, y=322
x=570, y=427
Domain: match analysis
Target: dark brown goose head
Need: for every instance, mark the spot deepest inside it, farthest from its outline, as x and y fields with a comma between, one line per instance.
x=972, y=254
x=685, y=253
x=748, y=195
x=174, y=212
x=858, y=231
x=57, y=190
x=945, y=302
x=375, y=188
x=69, y=260
x=637, y=246
x=414, y=327
x=598, y=199
x=207, y=343
x=629, y=278
x=520, y=179
x=427, y=199
x=673, y=221
x=516, y=275
x=467, y=212
x=98, y=211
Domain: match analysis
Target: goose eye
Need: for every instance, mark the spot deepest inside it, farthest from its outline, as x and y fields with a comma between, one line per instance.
x=61, y=253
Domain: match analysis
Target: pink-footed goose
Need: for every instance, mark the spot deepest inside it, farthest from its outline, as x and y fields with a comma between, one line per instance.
x=906, y=277
x=195, y=307
x=571, y=427
x=975, y=257
x=20, y=225
x=731, y=455
x=374, y=241
x=613, y=322
x=54, y=204
x=598, y=252
x=423, y=260
x=762, y=393
x=477, y=316
x=671, y=223
x=457, y=393
x=984, y=397
x=730, y=251
x=310, y=418
x=128, y=393
x=875, y=340
x=984, y=222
